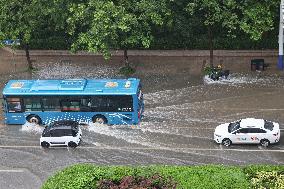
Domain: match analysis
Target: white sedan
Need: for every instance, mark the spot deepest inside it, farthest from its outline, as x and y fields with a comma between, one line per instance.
x=247, y=131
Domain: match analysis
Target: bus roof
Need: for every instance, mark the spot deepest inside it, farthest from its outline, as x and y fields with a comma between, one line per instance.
x=72, y=87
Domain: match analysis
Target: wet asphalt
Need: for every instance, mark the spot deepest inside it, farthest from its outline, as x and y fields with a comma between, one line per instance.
x=181, y=113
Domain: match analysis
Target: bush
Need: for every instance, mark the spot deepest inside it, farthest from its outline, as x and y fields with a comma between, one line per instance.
x=263, y=179
x=265, y=176
x=153, y=182
x=127, y=70
x=207, y=70
x=205, y=177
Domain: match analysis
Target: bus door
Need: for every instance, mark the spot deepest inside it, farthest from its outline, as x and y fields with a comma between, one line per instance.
x=4, y=105
x=4, y=108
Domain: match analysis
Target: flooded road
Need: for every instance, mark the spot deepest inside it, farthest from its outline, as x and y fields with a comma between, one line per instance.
x=181, y=113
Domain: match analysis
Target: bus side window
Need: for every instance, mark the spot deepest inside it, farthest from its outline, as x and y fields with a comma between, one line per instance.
x=51, y=104
x=70, y=105
x=85, y=105
x=65, y=105
x=99, y=103
x=32, y=104
x=74, y=105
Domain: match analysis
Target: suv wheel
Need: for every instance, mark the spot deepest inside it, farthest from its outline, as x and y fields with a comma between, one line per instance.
x=264, y=142
x=227, y=142
x=72, y=144
x=45, y=144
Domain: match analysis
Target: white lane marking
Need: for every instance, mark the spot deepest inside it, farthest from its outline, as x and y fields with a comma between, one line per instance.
x=253, y=109
x=11, y=171
x=182, y=127
x=157, y=148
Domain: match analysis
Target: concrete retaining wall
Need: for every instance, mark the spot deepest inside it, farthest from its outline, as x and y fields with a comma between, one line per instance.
x=192, y=60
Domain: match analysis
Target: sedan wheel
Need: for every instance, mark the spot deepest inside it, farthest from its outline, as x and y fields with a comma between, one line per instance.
x=226, y=142
x=264, y=142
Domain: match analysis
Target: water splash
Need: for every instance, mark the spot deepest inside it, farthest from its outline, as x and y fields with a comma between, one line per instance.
x=237, y=78
x=31, y=127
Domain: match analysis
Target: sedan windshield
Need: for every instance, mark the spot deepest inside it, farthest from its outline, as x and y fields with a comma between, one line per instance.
x=233, y=127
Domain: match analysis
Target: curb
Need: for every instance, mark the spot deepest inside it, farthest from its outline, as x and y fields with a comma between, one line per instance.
x=159, y=53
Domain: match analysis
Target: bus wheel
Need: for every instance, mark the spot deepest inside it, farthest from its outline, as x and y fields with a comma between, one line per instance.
x=34, y=119
x=99, y=119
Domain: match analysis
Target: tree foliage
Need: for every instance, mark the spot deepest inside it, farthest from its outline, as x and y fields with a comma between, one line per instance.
x=19, y=19
x=101, y=25
x=251, y=16
x=257, y=17
x=120, y=24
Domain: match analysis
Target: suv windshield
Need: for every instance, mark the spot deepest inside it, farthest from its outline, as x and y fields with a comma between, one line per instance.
x=46, y=132
x=233, y=126
x=268, y=125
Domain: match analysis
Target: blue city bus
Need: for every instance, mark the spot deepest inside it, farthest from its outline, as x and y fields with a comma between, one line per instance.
x=105, y=101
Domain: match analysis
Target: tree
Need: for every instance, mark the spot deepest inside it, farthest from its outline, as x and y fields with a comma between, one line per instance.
x=102, y=25
x=215, y=13
x=18, y=19
x=253, y=17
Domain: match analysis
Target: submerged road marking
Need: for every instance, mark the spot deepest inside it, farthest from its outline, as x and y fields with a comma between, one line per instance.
x=11, y=171
x=153, y=148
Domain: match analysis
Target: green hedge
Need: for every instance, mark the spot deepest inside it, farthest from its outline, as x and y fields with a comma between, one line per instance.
x=209, y=176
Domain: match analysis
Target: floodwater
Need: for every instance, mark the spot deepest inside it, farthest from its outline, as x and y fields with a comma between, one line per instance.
x=181, y=113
